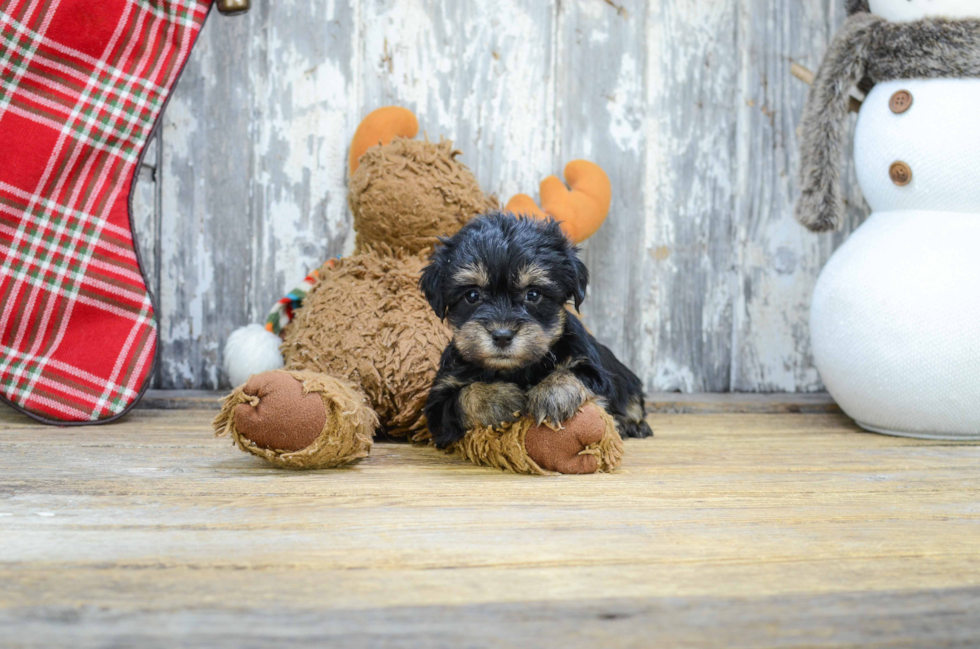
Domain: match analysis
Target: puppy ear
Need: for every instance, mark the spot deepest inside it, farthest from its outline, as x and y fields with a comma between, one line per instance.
x=431, y=283
x=581, y=277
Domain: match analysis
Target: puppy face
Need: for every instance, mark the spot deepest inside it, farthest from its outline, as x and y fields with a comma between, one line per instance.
x=502, y=283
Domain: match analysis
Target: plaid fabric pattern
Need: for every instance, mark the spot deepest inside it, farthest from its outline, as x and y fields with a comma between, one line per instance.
x=82, y=83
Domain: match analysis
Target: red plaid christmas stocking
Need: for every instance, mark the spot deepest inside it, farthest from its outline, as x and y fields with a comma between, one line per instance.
x=82, y=83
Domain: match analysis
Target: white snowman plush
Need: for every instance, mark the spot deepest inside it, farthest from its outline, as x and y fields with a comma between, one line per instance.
x=895, y=319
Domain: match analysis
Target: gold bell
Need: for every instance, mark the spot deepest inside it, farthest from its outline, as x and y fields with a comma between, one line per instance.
x=233, y=7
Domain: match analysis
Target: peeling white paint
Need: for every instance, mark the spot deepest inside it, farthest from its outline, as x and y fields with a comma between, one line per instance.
x=700, y=276
x=626, y=127
x=597, y=37
x=474, y=73
x=779, y=261
x=182, y=127
x=671, y=377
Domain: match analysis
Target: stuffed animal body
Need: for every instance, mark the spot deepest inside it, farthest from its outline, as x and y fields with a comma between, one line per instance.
x=895, y=312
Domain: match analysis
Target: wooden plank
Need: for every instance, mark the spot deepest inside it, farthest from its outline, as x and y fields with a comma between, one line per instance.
x=478, y=73
x=181, y=400
x=657, y=402
x=740, y=403
x=253, y=176
x=602, y=110
x=770, y=527
x=679, y=303
x=887, y=619
x=692, y=55
x=701, y=278
x=303, y=115
x=205, y=235
x=778, y=261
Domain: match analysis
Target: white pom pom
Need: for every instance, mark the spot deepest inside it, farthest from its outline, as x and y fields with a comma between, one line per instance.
x=250, y=350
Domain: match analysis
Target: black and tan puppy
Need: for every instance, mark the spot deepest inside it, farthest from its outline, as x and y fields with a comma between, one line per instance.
x=502, y=283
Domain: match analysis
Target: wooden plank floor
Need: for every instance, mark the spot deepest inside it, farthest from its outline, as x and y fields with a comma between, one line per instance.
x=747, y=530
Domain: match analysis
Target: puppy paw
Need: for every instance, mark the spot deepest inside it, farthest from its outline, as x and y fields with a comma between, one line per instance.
x=491, y=404
x=630, y=428
x=557, y=398
x=633, y=423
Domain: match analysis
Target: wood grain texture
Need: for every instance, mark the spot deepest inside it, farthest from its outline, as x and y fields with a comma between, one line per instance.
x=480, y=74
x=656, y=402
x=778, y=261
x=701, y=278
x=897, y=619
x=301, y=120
x=601, y=111
x=723, y=530
x=692, y=73
x=252, y=182
x=206, y=239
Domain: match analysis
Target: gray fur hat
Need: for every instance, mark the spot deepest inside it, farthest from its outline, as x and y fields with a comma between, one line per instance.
x=854, y=6
x=867, y=50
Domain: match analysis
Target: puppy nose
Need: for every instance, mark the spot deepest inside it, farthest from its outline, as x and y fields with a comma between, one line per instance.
x=502, y=337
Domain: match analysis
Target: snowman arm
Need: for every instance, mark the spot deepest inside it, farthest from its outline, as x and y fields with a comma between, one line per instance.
x=820, y=206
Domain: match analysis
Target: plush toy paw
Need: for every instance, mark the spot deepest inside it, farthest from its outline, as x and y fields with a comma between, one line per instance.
x=298, y=420
x=279, y=414
x=588, y=442
x=574, y=448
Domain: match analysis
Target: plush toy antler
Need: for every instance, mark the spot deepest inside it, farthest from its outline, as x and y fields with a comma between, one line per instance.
x=381, y=126
x=580, y=211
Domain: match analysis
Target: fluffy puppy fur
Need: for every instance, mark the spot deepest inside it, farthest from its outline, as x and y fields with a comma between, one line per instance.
x=867, y=50
x=502, y=283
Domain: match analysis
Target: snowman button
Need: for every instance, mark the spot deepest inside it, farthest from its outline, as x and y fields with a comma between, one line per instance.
x=900, y=102
x=900, y=173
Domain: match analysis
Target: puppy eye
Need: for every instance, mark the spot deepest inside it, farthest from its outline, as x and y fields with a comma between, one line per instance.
x=472, y=296
x=533, y=295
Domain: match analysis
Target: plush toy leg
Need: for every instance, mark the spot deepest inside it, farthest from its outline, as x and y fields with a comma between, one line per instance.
x=586, y=443
x=299, y=420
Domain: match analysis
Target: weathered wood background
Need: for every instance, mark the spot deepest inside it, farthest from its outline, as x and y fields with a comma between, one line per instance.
x=702, y=279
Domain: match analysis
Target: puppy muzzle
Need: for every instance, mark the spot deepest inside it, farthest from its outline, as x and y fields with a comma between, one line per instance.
x=502, y=346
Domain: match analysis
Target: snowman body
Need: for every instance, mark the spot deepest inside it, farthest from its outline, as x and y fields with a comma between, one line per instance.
x=895, y=318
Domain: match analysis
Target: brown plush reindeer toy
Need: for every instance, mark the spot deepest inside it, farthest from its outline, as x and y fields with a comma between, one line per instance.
x=360, y=352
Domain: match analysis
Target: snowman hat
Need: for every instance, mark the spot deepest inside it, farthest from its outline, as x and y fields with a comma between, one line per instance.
x=867, y=50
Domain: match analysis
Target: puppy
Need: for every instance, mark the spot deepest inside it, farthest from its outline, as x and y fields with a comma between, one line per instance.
x=502, y=283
